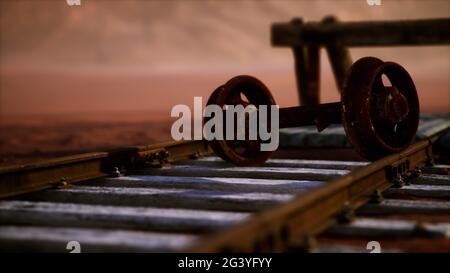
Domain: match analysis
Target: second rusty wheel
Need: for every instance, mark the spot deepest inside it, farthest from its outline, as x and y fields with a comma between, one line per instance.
x=241, y=90
x=379, y=119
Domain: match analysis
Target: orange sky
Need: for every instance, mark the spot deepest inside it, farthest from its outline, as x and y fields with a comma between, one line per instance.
x=110, y=56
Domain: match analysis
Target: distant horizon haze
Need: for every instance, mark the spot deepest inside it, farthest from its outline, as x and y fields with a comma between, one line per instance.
x=126, y=56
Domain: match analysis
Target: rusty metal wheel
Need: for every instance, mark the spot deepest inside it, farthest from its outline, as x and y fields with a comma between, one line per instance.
x=379, y=119
x=241, y=90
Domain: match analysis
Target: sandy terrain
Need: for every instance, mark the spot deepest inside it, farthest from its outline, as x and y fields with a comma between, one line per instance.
x=30, y=138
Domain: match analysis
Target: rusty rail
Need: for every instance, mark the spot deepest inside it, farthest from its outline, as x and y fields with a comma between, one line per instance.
x=203, y=187
x=31, y=177
x=291, y=225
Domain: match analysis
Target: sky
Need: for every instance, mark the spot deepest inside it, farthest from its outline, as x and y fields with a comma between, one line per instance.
x=134, y=55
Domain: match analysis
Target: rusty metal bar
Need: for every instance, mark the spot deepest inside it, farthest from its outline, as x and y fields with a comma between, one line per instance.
x=365, y=33
x=321, y=115
x=31, y=177
x=292, y=224
x=307, y=72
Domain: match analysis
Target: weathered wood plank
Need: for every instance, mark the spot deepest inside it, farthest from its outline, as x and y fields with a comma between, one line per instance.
x=342, y=248
x=431, y=191
x=428, y=128
x=432, y=179
x=208, y=183
x=246, y=172
x=334, y=136
x=98, y=216
x=438, y=169
x=291, y=163
x=403, y=206
x=167, y=198
x=51, y=239
x=379, y=227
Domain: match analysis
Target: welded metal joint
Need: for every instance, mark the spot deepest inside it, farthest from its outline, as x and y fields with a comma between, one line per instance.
x=391, y=105
x=158, y=158
x=416, y=173
x=116, y=172
x=398, y=172
x=163, y=157
x=398, y=181
x=61, y=184
x=376, y=197
x=195, y=155
x=413, y=175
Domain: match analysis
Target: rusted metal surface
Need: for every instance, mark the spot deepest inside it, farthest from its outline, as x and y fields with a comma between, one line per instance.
x=369, y=33
x=241, y=90
x=58, y=172
x=379, y=119
x=391, y=106
x=321, y=115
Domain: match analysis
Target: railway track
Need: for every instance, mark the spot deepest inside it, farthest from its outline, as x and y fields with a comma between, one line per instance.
x=178, y=197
